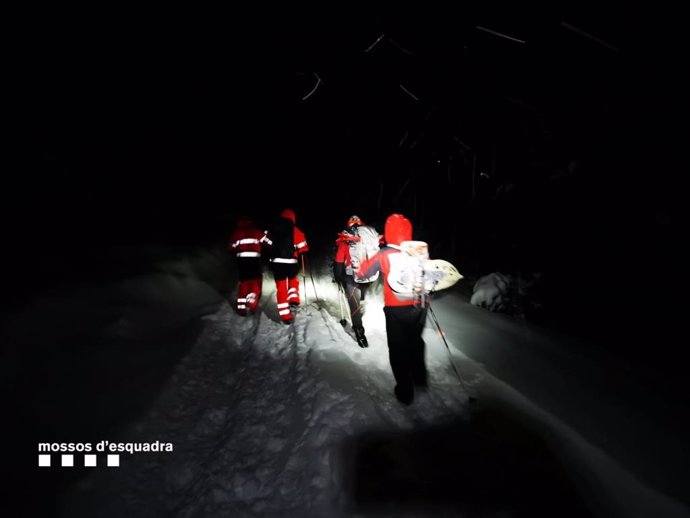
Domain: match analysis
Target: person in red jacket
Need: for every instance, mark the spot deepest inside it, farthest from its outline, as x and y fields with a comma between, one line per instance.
x=246, y=242
x=343, y=273
x=288, y=243
x=405, y=320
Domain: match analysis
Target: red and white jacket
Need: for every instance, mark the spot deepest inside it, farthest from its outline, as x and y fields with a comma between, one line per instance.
x=397, y=229
x=247, y=240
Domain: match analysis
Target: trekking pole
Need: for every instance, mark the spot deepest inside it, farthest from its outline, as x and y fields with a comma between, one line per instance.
x=304, y=278
x=313, y=284
x=471, y=399
x=343, y=322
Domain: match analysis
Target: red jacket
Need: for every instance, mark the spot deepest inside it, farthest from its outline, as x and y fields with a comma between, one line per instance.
x=397, y=229
x=246, y=240
x=301, y=245
x=342, y=252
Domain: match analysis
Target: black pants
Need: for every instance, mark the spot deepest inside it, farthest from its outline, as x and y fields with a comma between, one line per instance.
x=282, y=271
x=354, y=293
x=404, y=326
x=249, y=268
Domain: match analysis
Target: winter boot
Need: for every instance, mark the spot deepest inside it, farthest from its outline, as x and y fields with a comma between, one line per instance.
x=361, y=339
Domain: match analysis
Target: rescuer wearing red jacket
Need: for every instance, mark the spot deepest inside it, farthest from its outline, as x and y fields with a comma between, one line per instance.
x=405, y=320
x=344, y=275
x=288, y=243
x=246, y=242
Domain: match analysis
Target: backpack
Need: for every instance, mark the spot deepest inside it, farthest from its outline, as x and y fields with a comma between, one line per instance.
x=366, y=247
x=412, y=275
x=282, y=235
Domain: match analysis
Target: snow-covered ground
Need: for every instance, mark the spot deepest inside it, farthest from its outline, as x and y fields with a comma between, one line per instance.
x=297, y=421
x=259, y=413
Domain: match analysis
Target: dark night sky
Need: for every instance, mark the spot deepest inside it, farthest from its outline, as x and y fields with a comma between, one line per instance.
x=125, y=129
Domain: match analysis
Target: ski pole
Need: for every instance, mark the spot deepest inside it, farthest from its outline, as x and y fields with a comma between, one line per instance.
x=311, y=275
x=340, y=303
x=343, y=301
x=471, y=399
x=304, y=279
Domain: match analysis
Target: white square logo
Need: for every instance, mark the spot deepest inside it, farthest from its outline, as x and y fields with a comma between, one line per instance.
x=44, y=461
x=68, y=461
x=113, y=460
x=89, y=461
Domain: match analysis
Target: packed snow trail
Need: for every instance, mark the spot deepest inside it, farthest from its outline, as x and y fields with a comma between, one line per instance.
x=269, y=420
x=258, y=412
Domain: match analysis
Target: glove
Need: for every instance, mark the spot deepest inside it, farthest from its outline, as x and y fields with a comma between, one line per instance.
x=339, y=273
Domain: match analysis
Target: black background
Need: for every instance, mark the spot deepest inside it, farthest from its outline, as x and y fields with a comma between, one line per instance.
x=140, y=127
